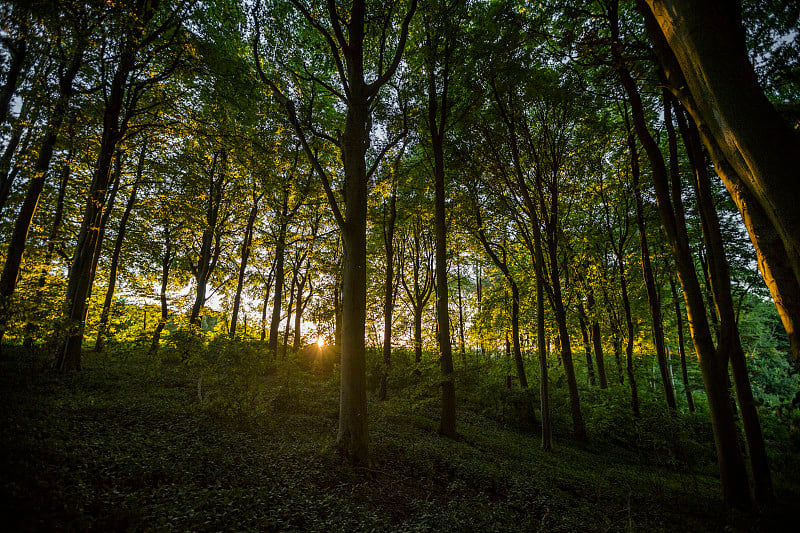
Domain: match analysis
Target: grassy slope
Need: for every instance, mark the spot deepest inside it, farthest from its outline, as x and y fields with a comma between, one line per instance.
x=127, y=445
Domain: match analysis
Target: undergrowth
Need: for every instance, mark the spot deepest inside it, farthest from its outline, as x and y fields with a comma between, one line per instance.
x=225, y=438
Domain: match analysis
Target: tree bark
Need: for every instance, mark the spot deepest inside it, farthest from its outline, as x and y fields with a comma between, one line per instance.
x=503, y=266
x=708, y=43
x=210, y=243
x=729, y=333
x=437, y=123
x=280, y=259
x=293, y=284
x=87, y=249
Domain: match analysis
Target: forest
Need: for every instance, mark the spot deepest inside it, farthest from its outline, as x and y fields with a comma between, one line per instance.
x=399, y=265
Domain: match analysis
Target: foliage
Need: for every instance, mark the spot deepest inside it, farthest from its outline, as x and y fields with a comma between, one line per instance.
x=128, y=444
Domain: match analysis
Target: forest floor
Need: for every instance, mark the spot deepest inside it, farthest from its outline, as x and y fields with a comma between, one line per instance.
x=131, y=443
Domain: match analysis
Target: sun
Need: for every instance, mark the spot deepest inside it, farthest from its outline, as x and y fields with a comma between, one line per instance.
x=320, y=342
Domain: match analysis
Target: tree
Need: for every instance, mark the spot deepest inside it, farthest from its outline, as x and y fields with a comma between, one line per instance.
x=754, y=150
x=346, y=34
x=138, y=25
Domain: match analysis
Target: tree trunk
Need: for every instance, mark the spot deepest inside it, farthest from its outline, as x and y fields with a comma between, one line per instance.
x=166, y=262
x=626, y=306
x=298, y=313
x=679, y=327
x=277, y=301
x=437, y=120
x=653, y=297
x=597, y=342
x=713, y=363
x=16, y=246
x=587, y=345
x=544, y=383
x=729, y=332
x=102, y=331
x=264, y=306
x=112, y=276
x=708, y=42
x=388, y=295
x=352, y=438
x=463, y=346
x=87, y=249
x=209, y=247
x=245, y=255
x=289, y=310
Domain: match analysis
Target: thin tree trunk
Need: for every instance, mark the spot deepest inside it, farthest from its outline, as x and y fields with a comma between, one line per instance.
x=597, y=342
x=264, y=306
x=277, y=301
x=626, y=306
x=245, y=255
x=679, y=327
x=166, y=262
x=653, y=297
x=587, y=345
x=209, y=247
x=544, y=383
x=388, y=294
x=289, y=310
x=112, y=276
x=298, y=314
x=461, y=317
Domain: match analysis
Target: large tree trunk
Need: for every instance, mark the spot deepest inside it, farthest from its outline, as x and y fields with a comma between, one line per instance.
x=708, y=41
x=729, y=332
x=437, y=119
x=352, y=438
x=86, y=248
x=713, y=363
